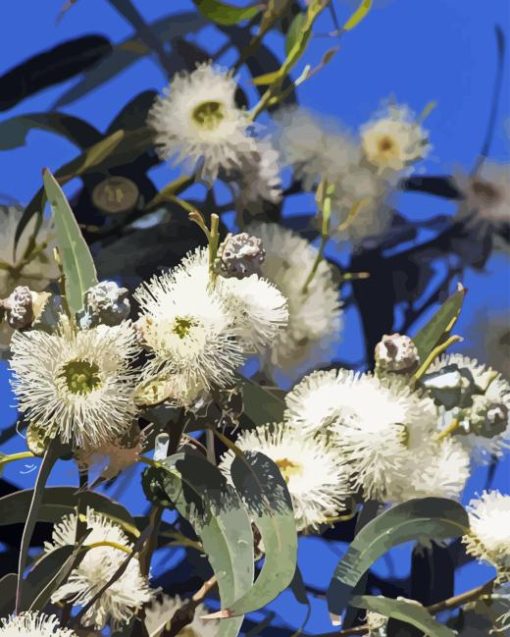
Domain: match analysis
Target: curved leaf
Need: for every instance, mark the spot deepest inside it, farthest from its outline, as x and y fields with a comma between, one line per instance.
x=77, y=263
x=13, y=132
x=265, y=495
x=226, y=14
x=201, y=494
x=60, y=501
x=7, y=593
x=358, y=15
x=435, y=518
x=296, y=26
x=440, y=325
x=260, y=405
x=51, y=67
x=408, y=611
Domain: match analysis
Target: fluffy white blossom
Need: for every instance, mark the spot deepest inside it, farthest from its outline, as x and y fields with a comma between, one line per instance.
x=484, y=395
x=486, y=196
x=259, y=179
x=187, y=326
x=488, y=538
x=197, y=120
x=315, y=315
x=317, y=484
x=434, y=470
x=33, y=624
x=394, y=140
x=377, y=424
x=126, y=595
x=159, y=613
x=111, y=458
x=77, y=384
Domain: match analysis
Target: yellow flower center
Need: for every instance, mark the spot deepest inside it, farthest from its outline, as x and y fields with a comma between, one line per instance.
x=208, y=114
x=183, y=325
x=386, y=145
x=486, y=192
x=81, y=377
x=288, y=468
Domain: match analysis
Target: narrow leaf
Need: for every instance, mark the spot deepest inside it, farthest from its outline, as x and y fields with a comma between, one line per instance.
x=260, y=405
x=440, y=325
x=358, y=15
x=226, y=14
x=435, y=518
x=408, y=611
x=201, y=494
x=79, y=269
x=264, y=493
x=296, y=26
x=7, y=592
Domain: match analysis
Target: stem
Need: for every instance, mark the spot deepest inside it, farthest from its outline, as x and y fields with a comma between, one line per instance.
x=437, y=351
x=148, y=461
x=211, y=453
x=318, y=259
x=184, y=615
x=22, y=455
x=113, y=545
x=448, y=431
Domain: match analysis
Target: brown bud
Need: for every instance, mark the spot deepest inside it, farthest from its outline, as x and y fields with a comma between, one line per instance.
x=396, y=353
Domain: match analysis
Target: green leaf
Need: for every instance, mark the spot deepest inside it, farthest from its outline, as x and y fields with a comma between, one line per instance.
x=408, y=611
x=226, y=14
x=296, y=26
x=79, y=269
x=46, y=576
x=266, y=498
x=260, y=405
x=201, y=494
x=60, y=501
x=435, y=518
x=440, y=325
x=358, y=15
x=13, y=131
x=7, y=593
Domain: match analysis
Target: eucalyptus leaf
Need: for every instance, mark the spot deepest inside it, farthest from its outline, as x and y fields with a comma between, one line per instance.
x=77, y=262
x=434, y=518
x=43, y=578
x=201, y=494
x=260, y=405
x=440, y=325
x=7, y=593
x=296, y=26
x=408, y=611
x=265, y=495
x=13, y=132
x=226, y=14
x=360, y=13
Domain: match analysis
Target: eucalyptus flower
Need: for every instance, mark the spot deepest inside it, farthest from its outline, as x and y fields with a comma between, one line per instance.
x=488, y=539
x=109, y=549
x=33, y=624
x=76, y=384
x=197, y=121
x=315, y=315
x=317, y=483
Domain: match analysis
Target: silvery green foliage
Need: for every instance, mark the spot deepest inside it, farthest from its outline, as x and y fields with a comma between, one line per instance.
x=131, y=330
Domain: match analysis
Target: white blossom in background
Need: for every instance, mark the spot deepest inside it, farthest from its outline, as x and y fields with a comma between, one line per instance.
x=160, y=612
x=260, y=178
x=315, y=316
x=486, y=196
x=490, y=339
x=488, y=538
x=317, y=483
x=485, y=410
x=376, y=424
x=33, y=624
x=126, y=595
x=111, y=458
x=197, y=121
x=77, y=384
x=394, y=140
x=187, y=326
x=438, y=470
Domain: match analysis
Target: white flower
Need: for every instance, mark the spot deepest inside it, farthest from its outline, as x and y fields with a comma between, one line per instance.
x=197, y=120
x=491, y=392
x=376, y=424
x=435, y=470
x=486, y=196
x=314, y=146
x=126, y=595
x=111, y=458
x=33, y=624
x=394, y=140
x=77, y=384
x=318, y=485
x=259, y=178
x=314, y=315
x=186, y=324
x=490, y=342
x=159, y=613
x=488, y=538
